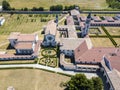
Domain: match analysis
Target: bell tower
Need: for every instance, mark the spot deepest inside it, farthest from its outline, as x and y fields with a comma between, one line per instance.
x=56, y=20
x=87, y=25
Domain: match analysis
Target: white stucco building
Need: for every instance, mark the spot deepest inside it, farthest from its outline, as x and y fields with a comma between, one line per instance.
x=23, y=43
x=0, y=8
x=2, y=20
x=68, y=45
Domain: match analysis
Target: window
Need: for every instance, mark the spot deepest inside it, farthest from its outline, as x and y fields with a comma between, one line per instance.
x=78, y=50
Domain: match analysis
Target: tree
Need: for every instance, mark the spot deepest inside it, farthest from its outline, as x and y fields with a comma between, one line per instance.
x=70, y=7
x=40, y=9
x=37, y=9
x=6, y=5
x=34, y=9
x=25, y=9
x=97, y=82
x=80, y=82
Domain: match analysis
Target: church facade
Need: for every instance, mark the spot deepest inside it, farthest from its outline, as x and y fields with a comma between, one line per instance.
x=50, y=33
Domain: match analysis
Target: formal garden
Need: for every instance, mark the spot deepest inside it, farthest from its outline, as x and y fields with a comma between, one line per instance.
x=48, y=57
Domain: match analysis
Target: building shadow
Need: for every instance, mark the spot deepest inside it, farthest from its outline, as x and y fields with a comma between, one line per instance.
x=10, y=47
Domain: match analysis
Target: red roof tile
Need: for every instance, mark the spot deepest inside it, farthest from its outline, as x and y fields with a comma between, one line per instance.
x=114, y=59
x=93, y=55
x=24, y=45
x=26, y=37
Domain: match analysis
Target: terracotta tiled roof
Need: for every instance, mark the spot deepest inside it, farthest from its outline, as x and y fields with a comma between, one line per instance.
x=26, y=37
x=70, y=20
x=70, y=43
x=114, y=59
x=37, y=47
x=51, y=28
x=96, y=18
x=113, y=75
x=72, y=31
x=93, y=55
x=82, y=24
x=83, y=18
x=22, y=37
x=81, y=49
x=115, y=79
x=14, y=35
x=24, y=45
x=109, y=18
x=105, y=22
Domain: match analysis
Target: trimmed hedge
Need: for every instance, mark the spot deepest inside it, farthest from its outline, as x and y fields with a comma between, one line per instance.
x=64, y=74
x=104, y=36
x=51, y=56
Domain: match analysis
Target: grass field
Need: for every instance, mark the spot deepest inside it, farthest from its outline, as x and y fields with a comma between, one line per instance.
x=85, y=4
x=31, y=79
x=117, y=40
x=101, y=42
x=23, y=23
x=18, y=62
x=94, y=31
x=3, y=38
x=113, y=30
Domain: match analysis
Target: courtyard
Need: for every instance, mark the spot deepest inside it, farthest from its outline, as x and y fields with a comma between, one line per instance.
x=48, y=57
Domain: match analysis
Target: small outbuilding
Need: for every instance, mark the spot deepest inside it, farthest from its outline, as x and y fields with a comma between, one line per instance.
x=2, y=20
x=0, y=8
x=10, y=88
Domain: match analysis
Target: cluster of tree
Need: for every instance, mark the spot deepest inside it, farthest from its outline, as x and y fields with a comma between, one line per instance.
x=24, y=9
x=114, y=3
x=33, y=9
x=6, y=6
x=70, y=7
x=60, y=7
x=80, y=82
x=56, y=8
x=37, y=9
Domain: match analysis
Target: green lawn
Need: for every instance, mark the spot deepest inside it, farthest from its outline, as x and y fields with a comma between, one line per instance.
x=85, y=4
